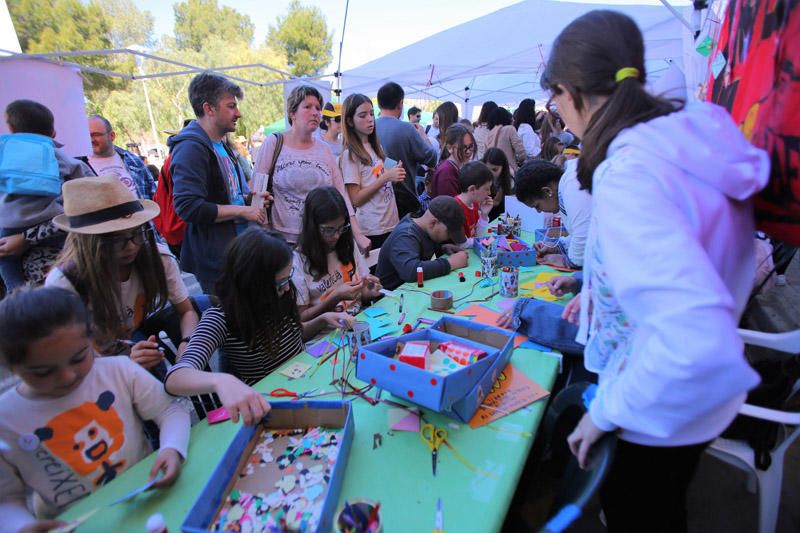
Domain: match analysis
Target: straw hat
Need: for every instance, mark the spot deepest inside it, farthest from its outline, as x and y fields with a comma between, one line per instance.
x=103, y=204
x=332, y=113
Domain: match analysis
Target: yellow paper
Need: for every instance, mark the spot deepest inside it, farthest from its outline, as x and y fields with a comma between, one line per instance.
x=536, y=288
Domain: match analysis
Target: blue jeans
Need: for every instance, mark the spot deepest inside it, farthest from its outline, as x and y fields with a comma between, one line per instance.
x=542, y=323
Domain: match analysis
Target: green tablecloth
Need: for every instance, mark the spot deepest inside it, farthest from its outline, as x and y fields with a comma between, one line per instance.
x=398, y=474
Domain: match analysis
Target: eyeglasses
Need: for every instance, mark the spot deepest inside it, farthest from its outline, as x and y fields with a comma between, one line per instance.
x=118, y=242
x=281, y=283
x=470, y=147
x=330, y=230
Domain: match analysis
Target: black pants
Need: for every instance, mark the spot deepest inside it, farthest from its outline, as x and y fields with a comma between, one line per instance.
x=646, y=487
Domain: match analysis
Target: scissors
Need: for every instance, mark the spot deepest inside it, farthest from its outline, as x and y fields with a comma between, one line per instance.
x=433, y=437
x=284, y=393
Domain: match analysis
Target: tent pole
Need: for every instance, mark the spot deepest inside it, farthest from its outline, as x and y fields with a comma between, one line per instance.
x=678, y=15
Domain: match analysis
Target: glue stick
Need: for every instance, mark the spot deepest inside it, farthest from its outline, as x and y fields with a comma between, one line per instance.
x=420, y=277
x=156, y=524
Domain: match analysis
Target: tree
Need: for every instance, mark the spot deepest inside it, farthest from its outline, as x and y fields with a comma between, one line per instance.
x=302, y=34
x=127, y=24
x=197, y=20
x=66, y=26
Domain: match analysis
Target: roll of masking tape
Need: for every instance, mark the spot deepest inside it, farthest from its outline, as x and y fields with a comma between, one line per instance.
x=442, y=300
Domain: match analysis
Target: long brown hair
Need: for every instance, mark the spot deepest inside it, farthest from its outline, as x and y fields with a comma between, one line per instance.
x=89, y=264
x=350, y=137
x=448, y=115
x=584, y=61
x=455, y=135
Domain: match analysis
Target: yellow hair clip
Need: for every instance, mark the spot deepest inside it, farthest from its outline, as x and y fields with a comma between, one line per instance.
x=627, y=72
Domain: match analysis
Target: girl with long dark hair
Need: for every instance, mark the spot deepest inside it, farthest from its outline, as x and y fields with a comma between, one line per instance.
x=459, y=148
x=481, y=131
x=504, y=136
x=368, y=183
x=256, y=325
x=524, y=121
x=495, y=159
x=328, y=274
x=668, y=268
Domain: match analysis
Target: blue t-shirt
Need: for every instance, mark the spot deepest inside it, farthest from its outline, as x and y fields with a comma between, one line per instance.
x=237, y=189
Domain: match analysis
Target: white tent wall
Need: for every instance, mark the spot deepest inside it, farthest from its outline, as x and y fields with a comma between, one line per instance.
x=500, y=56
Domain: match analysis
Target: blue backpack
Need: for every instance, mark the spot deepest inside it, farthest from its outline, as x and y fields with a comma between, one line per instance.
x=28, y=165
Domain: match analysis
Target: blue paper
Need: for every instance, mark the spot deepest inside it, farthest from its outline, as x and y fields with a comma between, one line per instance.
x=320, y=348
x=718, y=64
x=375, y=312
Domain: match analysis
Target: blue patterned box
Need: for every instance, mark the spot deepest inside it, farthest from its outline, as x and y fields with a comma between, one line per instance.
x=505, y=258
x=444, y=394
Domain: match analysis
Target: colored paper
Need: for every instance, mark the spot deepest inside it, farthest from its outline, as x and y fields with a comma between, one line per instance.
x=718, y=64
x=403, y=420
x=481, y=315
x=538, y=288
x=218, y=415
x=513, y=390
x=319, y=349
x=705, y=46
x=295, y=370
x=530, y=345
x=375, y=312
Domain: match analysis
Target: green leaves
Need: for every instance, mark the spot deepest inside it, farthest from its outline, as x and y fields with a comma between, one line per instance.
x=303, y=36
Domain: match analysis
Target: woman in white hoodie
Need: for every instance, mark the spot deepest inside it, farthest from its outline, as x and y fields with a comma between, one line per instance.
x=668, y=267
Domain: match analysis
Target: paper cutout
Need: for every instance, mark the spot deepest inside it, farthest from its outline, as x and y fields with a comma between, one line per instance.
x=375, y=312
x=319, y=349
x=505, y=304
x=295, y=370
x=537, y=288
x=218, y=415
x=512, y=390
x=403, y=420
x=481, y=315
x=705, y=46
x=718, y=64
x=72, y=525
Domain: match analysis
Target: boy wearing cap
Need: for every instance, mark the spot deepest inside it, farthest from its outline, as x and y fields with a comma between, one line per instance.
x=331, y=127
x=415, y=239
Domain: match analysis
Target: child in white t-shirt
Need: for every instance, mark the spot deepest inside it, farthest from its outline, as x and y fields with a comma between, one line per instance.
x=369, y=183
x=74, y=422
x=328, y=273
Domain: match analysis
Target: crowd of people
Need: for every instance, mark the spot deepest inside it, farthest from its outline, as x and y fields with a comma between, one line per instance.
x=280, y=251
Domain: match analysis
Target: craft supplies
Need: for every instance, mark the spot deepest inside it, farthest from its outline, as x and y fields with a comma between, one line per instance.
x=509, y=282
x=357, y=337
x=441, y=311
x=433, y=437
x=461, y=353
x=441, y=300
x=284, y=393
x=156, y=524
x=359, y=516
x=420, y=277
x=461, y=277
x=415, y=353
x=438, y=525
x=513, y=390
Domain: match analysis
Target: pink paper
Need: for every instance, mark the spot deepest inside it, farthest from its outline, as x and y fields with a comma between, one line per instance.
x=402, y=420
x=218, y=415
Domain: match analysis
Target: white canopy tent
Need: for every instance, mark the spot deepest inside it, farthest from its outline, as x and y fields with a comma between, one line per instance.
x=500, y=56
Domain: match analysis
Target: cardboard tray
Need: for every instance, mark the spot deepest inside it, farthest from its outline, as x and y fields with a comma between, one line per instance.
x=284, y=415
x=454, y=395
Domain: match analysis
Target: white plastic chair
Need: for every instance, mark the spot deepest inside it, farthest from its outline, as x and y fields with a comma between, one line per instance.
x=740, y=454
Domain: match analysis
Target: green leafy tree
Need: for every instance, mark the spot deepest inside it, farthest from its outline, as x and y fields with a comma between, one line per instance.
x=127, y=24
x=302, y=35
x=65, y=26
x=198, y=20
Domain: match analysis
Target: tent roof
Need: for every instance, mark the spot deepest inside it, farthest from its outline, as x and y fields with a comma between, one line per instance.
x=500, y=55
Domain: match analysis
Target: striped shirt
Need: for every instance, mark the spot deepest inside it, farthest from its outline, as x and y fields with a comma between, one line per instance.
x=247, y=364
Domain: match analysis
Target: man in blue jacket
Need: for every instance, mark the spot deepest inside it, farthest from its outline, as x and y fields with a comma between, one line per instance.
x=210, y=190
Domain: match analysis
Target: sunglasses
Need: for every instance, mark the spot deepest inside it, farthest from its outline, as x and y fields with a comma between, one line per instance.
x=118, y=242
x=281, y=283
x=330, y=230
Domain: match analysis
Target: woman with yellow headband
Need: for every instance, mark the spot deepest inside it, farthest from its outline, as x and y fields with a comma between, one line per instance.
x=668, y=268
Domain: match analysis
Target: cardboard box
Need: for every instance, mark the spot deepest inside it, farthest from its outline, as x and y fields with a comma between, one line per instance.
x=506, y=258
x=284, y=415
x=376, y=365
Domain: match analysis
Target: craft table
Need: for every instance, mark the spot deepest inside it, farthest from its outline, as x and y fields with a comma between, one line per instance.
x=398, y=473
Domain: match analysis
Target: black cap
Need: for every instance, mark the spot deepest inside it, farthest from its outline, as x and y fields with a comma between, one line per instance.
x=449, y=212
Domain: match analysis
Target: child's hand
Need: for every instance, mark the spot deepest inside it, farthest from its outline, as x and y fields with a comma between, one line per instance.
x=451, y=248
x=14, y=245
x=146, y=353
x=336, y=319
x=572, y=311
x=371, y=289
x=504, y=320
x=561, y=285
x=395, y=174
x=486, y=206
x=458, y=260
x=169, y=461
x=544, y=248
x=42, y=526
x=349, y=290
x=236, y=398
